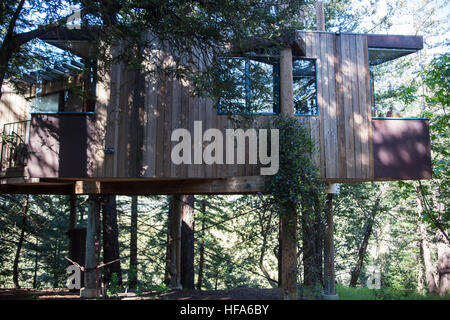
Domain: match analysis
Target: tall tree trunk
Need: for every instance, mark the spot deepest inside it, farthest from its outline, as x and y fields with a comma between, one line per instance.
x=443, y=264
x=132, y=275
x=319, y=234
x=73, y=211
x=201, y=262
x=310, y=269
x=288, y=235
x=173, y=258
x=277, y=251
x=329, y=272
x=264, y=233
x=110, y=240
x=91, y=283
x=187, y=242
x=420, y=273
x=19, y=245
x=8, y=46
x=429, y=270
x=363, y=247
x=36, y=257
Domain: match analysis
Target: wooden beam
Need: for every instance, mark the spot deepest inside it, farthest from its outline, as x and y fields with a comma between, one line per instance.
x=256, y=44
x=37, y=188
x=236, y=185
x=395, y=41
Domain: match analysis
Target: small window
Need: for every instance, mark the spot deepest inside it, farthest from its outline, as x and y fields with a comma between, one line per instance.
x=304, y=86
x=248, y=85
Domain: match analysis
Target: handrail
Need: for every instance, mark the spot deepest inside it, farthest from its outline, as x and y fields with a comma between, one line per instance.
x=13, y=146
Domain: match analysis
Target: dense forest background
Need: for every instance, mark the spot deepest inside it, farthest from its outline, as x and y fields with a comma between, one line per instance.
x=397, y=232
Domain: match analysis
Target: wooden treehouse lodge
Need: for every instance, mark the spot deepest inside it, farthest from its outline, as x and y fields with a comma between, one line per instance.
x=115, y=137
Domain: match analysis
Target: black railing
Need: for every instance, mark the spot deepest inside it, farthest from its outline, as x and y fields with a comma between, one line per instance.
x=14, y=145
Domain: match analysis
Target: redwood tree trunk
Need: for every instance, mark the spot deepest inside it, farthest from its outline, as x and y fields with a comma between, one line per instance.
x=201, y=262
x=443, y=264
x=427, y=261
x=173, y=259
x=288, y=249
x=132, y=274
x=110, y=239
x=329, y=272
x=187, y=242
x=363, y=247
x=420, y=273
x=19, y=245
x=36, y=259
x=429, y=272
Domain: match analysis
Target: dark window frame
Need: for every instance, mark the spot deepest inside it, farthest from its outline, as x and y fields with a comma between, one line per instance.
x=247, y=85
x=316, y=107
x=276, y=86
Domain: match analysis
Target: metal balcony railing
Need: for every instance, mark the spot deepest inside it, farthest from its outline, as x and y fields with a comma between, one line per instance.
x=14, y=139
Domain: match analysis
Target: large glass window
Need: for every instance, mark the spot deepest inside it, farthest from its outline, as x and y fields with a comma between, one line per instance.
x=305, y=89
x=47, y=103
x=248, y=85
x=251, y=85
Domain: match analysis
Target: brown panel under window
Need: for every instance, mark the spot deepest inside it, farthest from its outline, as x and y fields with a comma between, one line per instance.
x=401, y=149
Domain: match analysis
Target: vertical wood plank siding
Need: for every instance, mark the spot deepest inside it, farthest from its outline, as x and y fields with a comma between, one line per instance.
x=342, y=130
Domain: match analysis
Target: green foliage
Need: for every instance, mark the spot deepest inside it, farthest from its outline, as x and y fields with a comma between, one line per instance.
x=298, y=180
x=437, y=78
x=45, y=240
x=348, y=293
x=114, y=287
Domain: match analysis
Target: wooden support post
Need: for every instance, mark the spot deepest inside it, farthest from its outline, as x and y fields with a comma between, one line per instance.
x=329, y=272
x=91, y=289
x=286, y=85
x=320, y=16
x=288, y=216
x=187, y=242
x=174, y=244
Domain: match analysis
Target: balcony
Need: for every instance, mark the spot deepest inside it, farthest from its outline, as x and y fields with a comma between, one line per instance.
x=14, y=155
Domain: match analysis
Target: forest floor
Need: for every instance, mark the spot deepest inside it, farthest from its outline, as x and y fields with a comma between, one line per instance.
x=64, y=294
x=240, y=293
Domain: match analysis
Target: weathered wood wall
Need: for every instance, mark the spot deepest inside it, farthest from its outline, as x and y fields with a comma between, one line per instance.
x=140, y=114
x=13, y=106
